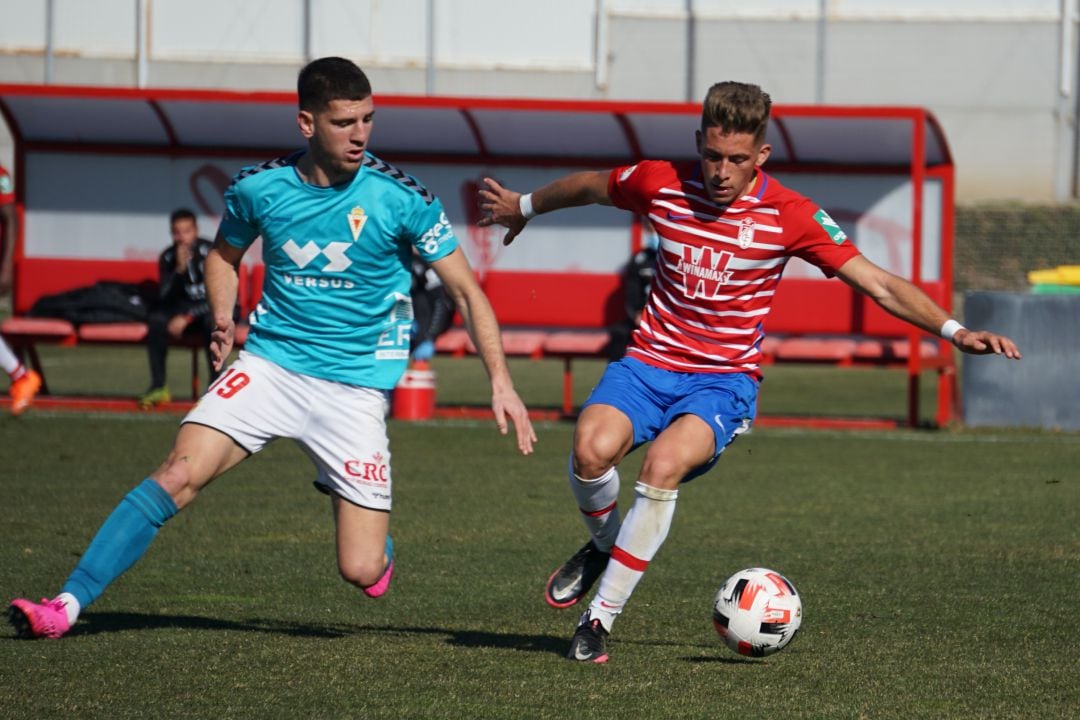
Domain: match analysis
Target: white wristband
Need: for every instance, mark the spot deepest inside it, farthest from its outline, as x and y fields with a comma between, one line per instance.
x=950, y=328
x=525, y=205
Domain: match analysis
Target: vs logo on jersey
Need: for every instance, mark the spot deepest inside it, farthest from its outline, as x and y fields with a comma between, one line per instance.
x=830, y=226
x=357, y=220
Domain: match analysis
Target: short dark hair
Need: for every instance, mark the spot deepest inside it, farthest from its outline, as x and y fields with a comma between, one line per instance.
x=737, y=107
x=330, y=78
x=181, y=214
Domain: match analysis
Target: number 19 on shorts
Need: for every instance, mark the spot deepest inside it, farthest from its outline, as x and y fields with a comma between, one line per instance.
x=230, y=383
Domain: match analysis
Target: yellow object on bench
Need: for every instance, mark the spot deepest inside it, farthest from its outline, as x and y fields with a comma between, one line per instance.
x=1061, y=275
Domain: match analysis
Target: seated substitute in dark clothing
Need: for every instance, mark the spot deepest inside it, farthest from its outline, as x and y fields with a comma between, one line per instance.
x=637, y=279
x=181, y=307
x=433, y=310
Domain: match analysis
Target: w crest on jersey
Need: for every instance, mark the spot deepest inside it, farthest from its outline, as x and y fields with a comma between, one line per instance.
x=357, y=219
x=746, y=233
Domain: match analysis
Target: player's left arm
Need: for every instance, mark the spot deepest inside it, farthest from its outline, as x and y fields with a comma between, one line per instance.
x=222, y=285
x=460, y=283
x=907, y=302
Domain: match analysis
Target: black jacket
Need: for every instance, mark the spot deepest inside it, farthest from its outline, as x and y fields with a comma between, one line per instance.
x=184, y=291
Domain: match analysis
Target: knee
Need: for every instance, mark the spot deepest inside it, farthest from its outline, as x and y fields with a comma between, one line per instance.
x=595, y=452
x=663, y=470
x=362, y=571
x=177, y=478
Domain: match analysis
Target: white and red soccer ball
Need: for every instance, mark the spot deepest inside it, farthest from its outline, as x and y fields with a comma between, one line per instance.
x=757, y=612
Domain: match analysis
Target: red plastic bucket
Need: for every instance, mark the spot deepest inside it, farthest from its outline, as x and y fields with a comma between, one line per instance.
x=414, y=396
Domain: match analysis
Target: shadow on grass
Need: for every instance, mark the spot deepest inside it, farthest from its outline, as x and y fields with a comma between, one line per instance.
x=745, y=662
x=96, y=623
x=113, y=622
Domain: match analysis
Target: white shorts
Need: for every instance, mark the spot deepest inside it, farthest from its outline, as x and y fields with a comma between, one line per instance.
x=342, y=428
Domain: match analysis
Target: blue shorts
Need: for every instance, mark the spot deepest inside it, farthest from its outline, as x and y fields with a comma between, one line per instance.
x=653, y=398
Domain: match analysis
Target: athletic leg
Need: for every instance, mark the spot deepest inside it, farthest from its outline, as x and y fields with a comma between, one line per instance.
x=685, y=445
x=157, y=346
x=602, y=438
x=364, y=551
x=199, y=455
x=25, y=383
x=346, y=438
x=9, y=363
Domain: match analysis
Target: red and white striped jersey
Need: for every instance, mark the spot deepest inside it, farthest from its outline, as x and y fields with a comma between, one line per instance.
x=718, y=266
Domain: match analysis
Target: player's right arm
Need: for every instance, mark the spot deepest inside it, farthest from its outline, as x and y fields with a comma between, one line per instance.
x=502, y=206
x=222, y=283
x=238, y=229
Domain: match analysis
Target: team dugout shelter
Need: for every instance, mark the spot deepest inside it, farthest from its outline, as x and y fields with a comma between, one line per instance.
x=98, y=170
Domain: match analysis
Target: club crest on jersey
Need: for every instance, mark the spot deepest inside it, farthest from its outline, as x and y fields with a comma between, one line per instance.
x=746, y=233
x=830, y=226
x=704, y=271
x=357, y=220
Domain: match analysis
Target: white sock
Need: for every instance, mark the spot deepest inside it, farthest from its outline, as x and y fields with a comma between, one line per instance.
x=643, y=532
x=71, y=606
x=598, y=501
x=9, y=363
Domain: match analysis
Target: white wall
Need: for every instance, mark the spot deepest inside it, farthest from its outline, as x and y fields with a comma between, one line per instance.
x=71, y=213
x=992, y=71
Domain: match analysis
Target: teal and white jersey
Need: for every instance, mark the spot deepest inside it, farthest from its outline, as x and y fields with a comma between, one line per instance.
x=335, y=302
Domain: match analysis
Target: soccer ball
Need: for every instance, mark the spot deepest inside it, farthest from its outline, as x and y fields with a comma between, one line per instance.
x=757, y=612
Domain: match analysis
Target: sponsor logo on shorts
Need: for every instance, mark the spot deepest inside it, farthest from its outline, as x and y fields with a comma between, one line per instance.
x=373, y=471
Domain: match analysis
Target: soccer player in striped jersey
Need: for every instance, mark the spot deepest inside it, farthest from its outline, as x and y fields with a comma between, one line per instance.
x=690, y=378
x=328, y=341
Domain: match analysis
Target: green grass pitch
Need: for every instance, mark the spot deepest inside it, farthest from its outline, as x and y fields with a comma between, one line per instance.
x=939, y=571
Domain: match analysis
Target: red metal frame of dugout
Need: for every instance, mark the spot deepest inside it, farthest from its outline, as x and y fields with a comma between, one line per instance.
x=918, y=169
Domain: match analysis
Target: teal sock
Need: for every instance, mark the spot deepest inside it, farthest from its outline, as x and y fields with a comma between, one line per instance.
x=122, y=540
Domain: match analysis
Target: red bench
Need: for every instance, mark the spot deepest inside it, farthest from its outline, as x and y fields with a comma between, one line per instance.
x=545, y=315
x=548, y=315
x=565, y=315
x=38, y=277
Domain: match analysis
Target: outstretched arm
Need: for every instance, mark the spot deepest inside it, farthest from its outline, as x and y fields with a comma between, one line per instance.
x=222, y=279
x=503, y=206
x=907, y=302
x=457, y=277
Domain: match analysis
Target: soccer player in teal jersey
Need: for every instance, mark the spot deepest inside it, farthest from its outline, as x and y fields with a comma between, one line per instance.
x=328, y=340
